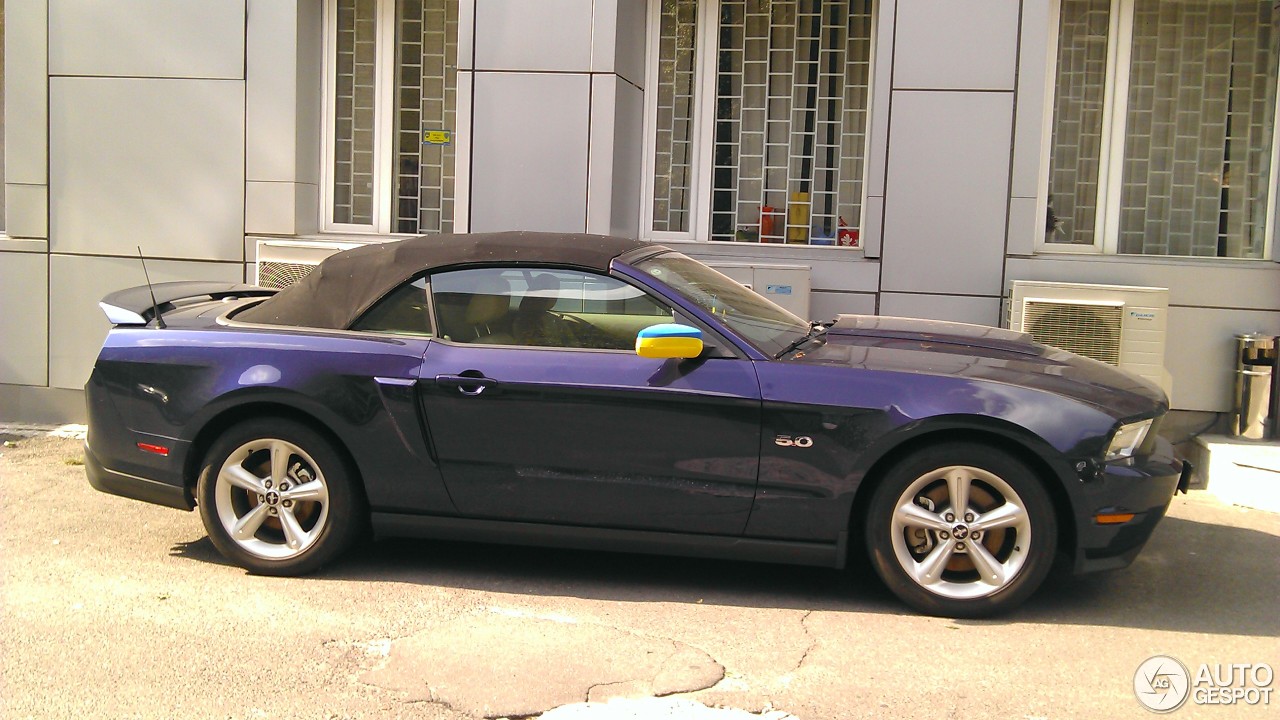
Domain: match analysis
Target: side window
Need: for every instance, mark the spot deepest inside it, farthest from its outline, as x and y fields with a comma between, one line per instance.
x=404, y=311
x=542, y=308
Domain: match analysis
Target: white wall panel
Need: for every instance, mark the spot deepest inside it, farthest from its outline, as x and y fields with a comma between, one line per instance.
x=839, y=270
x=542, y=35
x=616, y=154
x=280, y=208
x=618, y=38
x=944, y=44
x=271, y=90
x=26, y=95
x=26, y=210
x=1026, y=225
x=77, y=326
x=1223, y=284
x=947, y=192
x=529, y=152
x=1200, y=353
x=147, y=38
x=24, y=297
x=157, y=163
x=1035, y=90
x=827, y=305
x=955, y=308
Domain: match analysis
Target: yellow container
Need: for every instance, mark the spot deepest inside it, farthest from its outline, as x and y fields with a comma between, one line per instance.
x=798, y=219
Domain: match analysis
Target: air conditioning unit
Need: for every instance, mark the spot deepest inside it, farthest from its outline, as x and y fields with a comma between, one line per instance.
x=785, y=285
x=1117, y=324
x=282, y=263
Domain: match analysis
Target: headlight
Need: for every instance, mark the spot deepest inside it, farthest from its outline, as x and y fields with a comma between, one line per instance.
x=1127, y=439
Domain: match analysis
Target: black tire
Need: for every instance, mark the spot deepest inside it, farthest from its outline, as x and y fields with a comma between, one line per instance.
x=291, y=527
x=902, y=541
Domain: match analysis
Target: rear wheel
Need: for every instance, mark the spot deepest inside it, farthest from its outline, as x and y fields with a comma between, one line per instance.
x=277, y=499
x=961, y=530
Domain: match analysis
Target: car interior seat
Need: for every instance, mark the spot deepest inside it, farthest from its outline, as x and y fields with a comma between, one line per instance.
x=535, y=323
x=485, y=320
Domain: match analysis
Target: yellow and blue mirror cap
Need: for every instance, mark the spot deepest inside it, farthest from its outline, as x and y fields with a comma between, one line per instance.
x=669, y=340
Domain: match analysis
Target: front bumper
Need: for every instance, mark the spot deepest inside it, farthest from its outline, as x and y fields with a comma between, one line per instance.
x=1142, y=486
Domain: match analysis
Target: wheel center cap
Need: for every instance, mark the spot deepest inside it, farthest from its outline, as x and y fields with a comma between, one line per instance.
x=960, y=532
x=273, y=497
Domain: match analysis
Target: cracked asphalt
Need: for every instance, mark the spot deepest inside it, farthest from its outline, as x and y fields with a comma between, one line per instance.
x=117, y=609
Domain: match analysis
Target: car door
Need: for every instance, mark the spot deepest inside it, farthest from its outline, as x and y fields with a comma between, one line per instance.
x=540, y=410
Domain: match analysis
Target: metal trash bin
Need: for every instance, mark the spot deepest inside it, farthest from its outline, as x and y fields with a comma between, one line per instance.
x=1255, y=366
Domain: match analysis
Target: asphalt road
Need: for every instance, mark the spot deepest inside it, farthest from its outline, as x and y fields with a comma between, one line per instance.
x=116, y=609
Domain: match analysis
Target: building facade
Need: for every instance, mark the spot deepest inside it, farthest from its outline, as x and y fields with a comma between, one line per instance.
x=916, y=156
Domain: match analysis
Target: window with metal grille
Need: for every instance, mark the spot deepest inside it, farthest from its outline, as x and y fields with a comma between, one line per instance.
x=390, y=114
x=1163, y=127
x=783, y=142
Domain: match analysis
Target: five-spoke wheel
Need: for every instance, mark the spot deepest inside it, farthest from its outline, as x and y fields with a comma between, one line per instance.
x=276, y=498
x=961, y=530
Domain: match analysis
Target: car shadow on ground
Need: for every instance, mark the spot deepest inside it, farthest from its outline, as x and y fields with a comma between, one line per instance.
x=1192, y=577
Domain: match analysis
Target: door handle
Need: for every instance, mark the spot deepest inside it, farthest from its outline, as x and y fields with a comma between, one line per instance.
x=467, y=384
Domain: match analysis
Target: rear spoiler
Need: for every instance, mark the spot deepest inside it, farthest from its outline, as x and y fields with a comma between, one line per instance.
x=134, y=306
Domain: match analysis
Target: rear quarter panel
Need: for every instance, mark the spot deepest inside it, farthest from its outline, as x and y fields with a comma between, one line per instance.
x=180, y=385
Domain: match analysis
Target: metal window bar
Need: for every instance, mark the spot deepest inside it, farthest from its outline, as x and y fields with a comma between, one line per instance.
x=791, y=112
x=355, y=96
x=673, y=155
x=426, y=99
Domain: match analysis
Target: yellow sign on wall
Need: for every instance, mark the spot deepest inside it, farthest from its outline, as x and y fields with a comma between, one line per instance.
x=437, y=137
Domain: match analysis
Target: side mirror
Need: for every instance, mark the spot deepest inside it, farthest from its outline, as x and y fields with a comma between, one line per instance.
x=669, y=340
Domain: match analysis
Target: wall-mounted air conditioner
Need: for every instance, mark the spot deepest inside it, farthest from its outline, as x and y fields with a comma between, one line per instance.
x=1117, y=324
x=282, y=263
x=785, y=285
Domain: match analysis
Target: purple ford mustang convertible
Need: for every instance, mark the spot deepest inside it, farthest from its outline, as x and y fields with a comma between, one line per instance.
x=587, y=391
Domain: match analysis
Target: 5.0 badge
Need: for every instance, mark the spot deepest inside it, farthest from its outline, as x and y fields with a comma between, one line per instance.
x=800, y=441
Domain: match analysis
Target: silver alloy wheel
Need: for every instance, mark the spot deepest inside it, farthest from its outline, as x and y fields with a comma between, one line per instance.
x=961, y=532
x=272, y=499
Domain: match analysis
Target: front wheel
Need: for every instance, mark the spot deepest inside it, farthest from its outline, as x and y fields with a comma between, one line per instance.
x=277, y=499
x=961, y=530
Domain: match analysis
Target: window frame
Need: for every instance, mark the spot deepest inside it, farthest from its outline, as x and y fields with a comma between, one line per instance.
x=703, y=137
x=434, y=308
x=1114, y=126
x=384, y=155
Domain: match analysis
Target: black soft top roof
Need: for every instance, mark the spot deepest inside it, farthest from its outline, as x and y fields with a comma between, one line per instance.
x=343, y=286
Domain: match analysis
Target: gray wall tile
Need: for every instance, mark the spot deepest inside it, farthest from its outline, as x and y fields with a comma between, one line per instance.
x=1034, y=92
x=26, y=94
x=1026, y=225
x=147, y=38
x=616, y=153
x=628, y=160
x=827, y=305
x=955, y=308
x=1200, y=353
x=24, y=353
x=830, y=269
x=529, y=152
x=144, y=161
x=1247, y=285
x=280, y=208
x=271, y=90
x=956, y=45
x=542, y=35
x=618, y=38
x=77, y=326
x=881, y=94
x=947, y=192
x=26, y=209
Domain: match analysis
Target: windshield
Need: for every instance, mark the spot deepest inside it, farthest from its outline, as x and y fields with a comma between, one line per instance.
x=767, y=326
